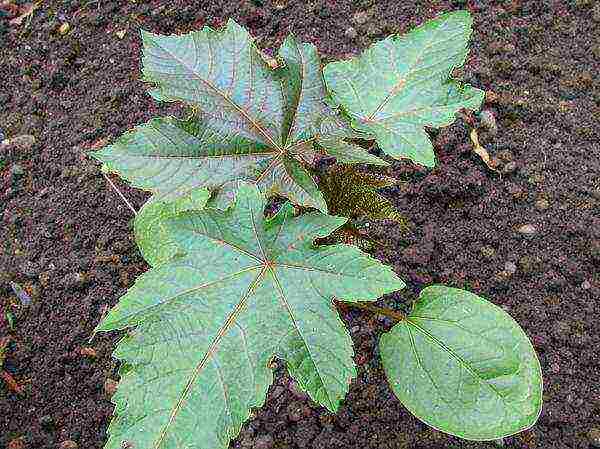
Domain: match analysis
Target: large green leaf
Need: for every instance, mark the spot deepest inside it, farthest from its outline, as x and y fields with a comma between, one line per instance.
x=401, y=84
x=463, y=366
x=242, y=290
x=252, y=123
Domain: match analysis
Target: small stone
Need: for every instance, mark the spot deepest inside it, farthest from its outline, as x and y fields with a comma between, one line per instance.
x=542, y=204
x=110, y=387
x=491, y=97
x=586, y=285
x=68, y=444
x=561, y=328
x=594, y=249
x=23, y=142
x=264, y=442
x=505, y=155
x=488, y=121
x=527, y=229
x=29, y=269
x=64, y=28
x=596, y=13
x=88, y=352
x=78, y=280
x=510, y=167
x=487, y=251
x=47, y=422
x=510, y=268
x=17, y=443
x=360, y=17
x=297, y=411
x=594, y=437
x=530, y=264
x=351, y=33
x=17, y=171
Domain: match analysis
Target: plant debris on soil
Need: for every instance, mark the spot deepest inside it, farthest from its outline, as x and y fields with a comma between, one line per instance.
x=526, y=236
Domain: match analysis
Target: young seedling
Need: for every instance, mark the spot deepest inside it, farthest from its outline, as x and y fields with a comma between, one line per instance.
x=231, y=287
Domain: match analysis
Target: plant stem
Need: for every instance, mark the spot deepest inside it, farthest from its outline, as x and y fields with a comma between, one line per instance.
x=120, y=194
x=393, y=314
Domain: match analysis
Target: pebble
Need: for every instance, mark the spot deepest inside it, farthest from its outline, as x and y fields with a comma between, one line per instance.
x=68, y=444
x=594, y=437
x=29, y=269
x=23, y=142
x=596, y=13
x=78, y=280
x=360, y=17
x=17, y=171
x=527, y=229
x=297, y=411
x=542, y=204
x=505, y=155
x=47, y=422
x=594, y=249
x=511, y=167
x=351, y=33
x=487, y=251
x=530, y=264
x=586, y=285
x=488, y=121
x=110, y=387
x=491, y=96
x=510, y=267
x=264, y=442
x=17, y=443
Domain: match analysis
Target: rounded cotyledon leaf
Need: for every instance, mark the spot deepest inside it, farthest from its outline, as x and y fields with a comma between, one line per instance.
x=401, y=84
x=463, y=366
x=207, y=322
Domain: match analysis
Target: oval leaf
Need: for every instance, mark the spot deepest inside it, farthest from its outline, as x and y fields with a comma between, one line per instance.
x=463, y=366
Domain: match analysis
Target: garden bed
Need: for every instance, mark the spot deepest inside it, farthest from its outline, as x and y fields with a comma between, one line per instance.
x=527, y=238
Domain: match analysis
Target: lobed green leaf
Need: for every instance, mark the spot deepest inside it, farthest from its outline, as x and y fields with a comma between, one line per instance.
x=401, y=84
x=241, y=290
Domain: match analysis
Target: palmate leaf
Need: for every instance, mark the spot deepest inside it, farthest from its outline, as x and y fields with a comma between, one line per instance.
x=401, y=84
x=463, y=366
x=243, y=289
x=254, y=123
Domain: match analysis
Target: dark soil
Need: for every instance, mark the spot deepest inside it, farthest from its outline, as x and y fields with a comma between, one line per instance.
x=67, y=238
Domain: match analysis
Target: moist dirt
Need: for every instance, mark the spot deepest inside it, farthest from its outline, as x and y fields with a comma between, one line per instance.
x=526, y=237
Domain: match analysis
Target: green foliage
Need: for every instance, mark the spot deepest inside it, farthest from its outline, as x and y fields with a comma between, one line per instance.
x=464, y=366
x=230, y=289
x=243, y=290
x=255, y=123
x=401, y=84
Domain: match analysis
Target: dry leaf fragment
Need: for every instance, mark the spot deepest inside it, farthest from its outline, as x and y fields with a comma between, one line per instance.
x=121, y=34
x=482, y=152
